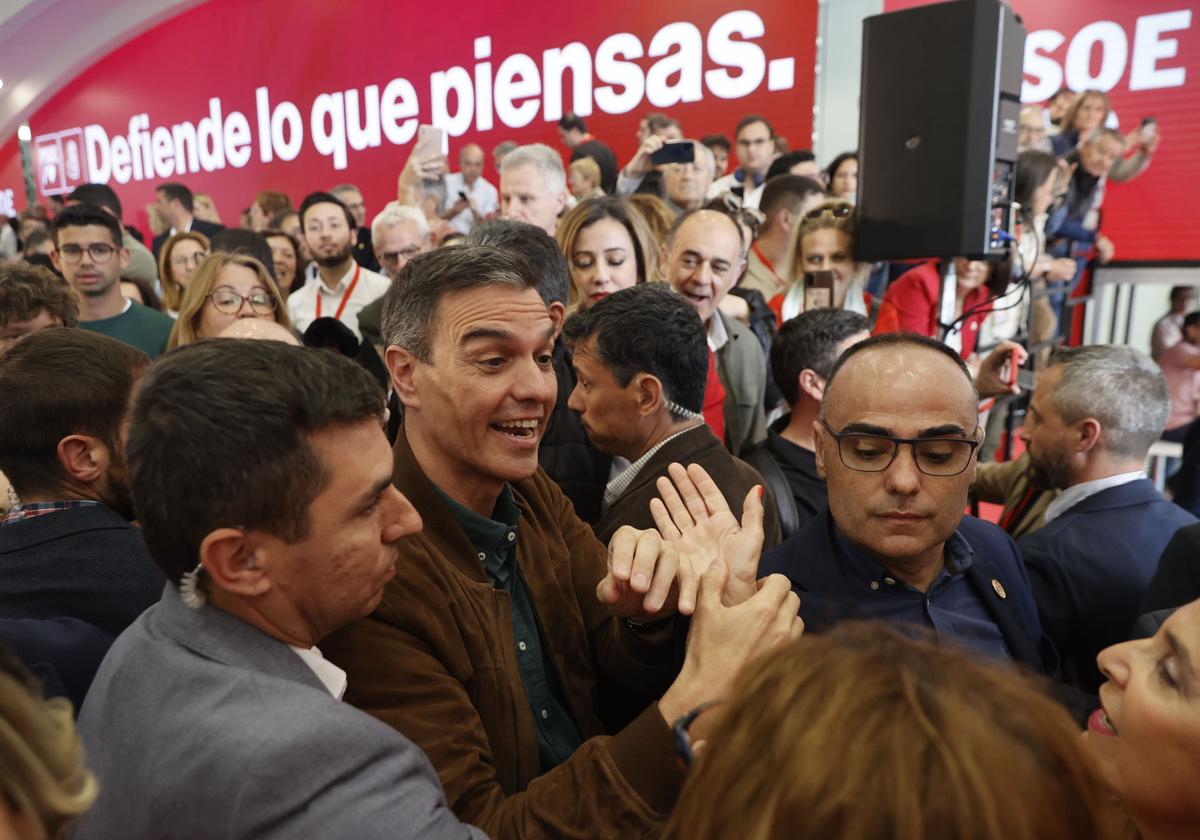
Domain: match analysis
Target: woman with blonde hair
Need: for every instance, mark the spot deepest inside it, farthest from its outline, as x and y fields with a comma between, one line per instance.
x=583, y=179
x=178, y=260
x=227, y=287
x=823, y=240
x=1089, y=113
x=43, y=781
x=862, y=732
x=608, y=248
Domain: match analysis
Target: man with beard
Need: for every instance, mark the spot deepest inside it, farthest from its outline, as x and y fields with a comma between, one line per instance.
x=1089, y=426
x=344, y=287
x=68, y=550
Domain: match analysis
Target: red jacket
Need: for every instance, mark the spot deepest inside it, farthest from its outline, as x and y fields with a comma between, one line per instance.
x=914, y=296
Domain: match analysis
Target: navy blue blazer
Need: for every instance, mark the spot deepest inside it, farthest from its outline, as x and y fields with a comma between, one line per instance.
x=814, y=563
x=1090, y=568
x=86, y=563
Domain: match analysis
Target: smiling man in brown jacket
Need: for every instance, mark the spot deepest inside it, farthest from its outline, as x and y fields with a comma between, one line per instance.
x=506, y=616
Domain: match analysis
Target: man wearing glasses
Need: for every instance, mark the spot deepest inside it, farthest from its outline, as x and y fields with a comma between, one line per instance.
x=88, y=252
x=755, y=152
x=896, y=439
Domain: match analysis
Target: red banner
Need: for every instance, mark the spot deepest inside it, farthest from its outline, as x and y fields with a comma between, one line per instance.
x=237, y=96
x=1146, y=56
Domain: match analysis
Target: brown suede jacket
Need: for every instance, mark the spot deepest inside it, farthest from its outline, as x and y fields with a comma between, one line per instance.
x=436, y=660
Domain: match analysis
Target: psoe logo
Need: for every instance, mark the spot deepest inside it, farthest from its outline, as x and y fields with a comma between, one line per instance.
x=61, y=165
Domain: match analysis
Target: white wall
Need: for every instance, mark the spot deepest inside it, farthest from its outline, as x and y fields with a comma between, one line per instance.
x=839, y=69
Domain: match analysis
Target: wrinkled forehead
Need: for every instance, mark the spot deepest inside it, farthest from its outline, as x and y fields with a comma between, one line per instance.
x=493, y=311
x=915, y=385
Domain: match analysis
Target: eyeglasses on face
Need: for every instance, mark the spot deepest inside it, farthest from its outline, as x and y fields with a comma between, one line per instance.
x=229, y=302
x=183, y=261
x=98, y=251
x=837, y=211
x=394, y=256
x=941, y=457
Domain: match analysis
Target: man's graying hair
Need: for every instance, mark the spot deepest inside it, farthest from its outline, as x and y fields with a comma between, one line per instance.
x=1118, y=386
x=540, y=156
x=410, y=307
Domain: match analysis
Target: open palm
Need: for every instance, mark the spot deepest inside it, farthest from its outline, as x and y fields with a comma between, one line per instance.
x=694, y=518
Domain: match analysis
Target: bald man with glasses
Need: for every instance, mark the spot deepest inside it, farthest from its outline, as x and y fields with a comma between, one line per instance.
x=896, y=440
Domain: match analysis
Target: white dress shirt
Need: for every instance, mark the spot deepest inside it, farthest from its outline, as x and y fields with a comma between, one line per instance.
x=483, y=195
x=1073, y=495
x=302, y=304
x=330, y=675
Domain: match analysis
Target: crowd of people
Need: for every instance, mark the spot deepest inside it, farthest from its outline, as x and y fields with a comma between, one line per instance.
x=610, y=501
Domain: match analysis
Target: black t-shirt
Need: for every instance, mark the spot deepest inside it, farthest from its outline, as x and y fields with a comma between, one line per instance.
x=799, y=467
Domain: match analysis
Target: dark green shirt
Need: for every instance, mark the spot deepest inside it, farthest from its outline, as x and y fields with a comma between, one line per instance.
x=138, y=326
x=495, y=540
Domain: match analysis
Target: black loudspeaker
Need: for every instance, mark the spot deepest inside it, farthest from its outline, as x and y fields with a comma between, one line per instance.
x=941, y=87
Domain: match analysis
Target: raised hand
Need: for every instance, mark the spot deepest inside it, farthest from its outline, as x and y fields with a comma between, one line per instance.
x=693, y=516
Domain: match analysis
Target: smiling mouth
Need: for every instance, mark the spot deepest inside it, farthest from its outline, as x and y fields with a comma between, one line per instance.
x=519, y=429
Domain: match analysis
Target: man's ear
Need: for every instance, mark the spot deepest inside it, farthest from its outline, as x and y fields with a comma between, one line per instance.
x=558, y=314
x=811, y=383
x=85, y=459
x=1086, y=434
x=401, y=366
x=649, y=392
x=235, y=562
x=785, y=219
x=819, y=446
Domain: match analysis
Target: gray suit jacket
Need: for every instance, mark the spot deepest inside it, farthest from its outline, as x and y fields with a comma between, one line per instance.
x=201, y=726
x=742, y=367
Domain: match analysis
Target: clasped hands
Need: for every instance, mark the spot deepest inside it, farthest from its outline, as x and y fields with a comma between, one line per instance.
x=656, y=573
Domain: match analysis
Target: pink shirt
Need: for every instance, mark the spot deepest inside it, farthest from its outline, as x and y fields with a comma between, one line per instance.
x=1181, y=379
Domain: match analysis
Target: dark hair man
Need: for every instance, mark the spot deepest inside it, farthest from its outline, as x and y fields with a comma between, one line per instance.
x=68, y=549
x=720, y=147
x=1089, y=426
x=755, y=139
x=802, y=358
x=704, y=260
x=89, y=253
x=343, y=288
x=490, y=648
x=267, y=501
x=32, y=299
x=582, y=144
x=785, y=201
x=364, y=245
x=579, y=469
x=174, y=203
x=800, y=162
x=896, y=439
x=641, y=357
x=142, y=265
x=1168, y=330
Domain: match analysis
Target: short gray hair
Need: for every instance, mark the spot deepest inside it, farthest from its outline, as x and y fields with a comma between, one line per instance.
x=395, y=213
x=410, y=306
x=706, y=153
x=1117, y=385
x=540, y=156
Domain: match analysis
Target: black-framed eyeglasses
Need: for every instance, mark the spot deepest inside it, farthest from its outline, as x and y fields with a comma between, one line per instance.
x=684, y=750
x=230, y=302
x=98, y=251
x=837, y=211
x=938, y=457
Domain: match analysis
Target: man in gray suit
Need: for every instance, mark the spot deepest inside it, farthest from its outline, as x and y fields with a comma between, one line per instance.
x=705, y=258
x=267, y=500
